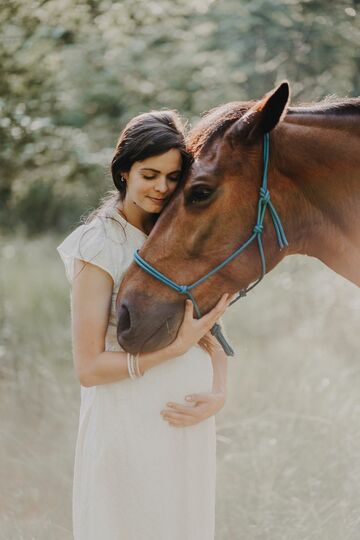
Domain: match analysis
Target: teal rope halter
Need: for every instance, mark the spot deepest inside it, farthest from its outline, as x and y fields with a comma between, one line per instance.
x=264, y=202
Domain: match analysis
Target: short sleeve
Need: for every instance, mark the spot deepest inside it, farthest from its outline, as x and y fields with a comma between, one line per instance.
x=91, y=242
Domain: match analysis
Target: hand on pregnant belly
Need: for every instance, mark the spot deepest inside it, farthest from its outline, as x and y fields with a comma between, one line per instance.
x=206, y=405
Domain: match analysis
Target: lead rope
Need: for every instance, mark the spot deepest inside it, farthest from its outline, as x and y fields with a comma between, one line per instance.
x=264, y=202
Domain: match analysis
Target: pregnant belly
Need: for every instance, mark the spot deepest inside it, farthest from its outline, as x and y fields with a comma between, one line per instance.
x=191, y=372
x=124, y=417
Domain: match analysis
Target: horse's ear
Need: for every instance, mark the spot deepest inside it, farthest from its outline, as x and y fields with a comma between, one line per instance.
x=262, y=117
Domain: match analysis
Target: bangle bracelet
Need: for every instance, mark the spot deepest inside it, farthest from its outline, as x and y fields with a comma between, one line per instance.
x=130, y=366
x=138, y=372
x=133, y=366
x=133, y=360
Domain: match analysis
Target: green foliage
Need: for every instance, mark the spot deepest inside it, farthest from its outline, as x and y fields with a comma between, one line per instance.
x=72, y=73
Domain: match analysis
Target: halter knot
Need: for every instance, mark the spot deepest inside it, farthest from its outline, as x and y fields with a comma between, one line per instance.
x=264, y=195
x=258, y=229
x=264, y=203
x=183, y=289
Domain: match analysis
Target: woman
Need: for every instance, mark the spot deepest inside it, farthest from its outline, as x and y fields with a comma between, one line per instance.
x=145, y=458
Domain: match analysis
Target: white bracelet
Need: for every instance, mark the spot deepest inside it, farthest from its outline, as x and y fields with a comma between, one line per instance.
x=130, y=366
x=138, y=372
x=133, y=366
x=132, y=362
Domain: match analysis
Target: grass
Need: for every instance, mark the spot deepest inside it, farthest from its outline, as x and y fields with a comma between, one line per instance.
x=288, y=437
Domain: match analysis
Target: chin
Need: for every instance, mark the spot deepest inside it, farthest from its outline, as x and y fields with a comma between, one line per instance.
x=155, y=208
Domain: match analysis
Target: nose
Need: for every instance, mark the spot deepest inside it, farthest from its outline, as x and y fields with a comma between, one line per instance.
x=124, y=321
x=161, y=186
x=146, y=326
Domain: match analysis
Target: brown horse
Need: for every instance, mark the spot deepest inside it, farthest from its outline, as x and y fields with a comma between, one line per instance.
x=314, y=184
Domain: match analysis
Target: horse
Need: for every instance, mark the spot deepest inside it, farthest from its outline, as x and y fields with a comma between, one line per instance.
x=313, y=182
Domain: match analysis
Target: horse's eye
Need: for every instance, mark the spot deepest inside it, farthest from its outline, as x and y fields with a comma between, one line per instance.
x=199, y=194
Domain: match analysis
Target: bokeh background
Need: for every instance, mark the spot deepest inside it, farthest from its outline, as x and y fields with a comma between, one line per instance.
x=72, y=73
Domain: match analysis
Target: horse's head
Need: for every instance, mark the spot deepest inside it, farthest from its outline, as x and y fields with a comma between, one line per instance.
x=209, y=216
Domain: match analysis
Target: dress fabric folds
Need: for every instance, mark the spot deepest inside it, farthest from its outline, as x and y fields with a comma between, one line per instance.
x=135, y=476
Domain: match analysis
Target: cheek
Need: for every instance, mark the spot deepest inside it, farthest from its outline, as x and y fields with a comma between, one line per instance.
x=144, y=188
x=140, y=187
x=172, y=186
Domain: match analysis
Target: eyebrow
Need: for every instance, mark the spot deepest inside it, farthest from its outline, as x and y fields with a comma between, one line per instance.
x=155, y=170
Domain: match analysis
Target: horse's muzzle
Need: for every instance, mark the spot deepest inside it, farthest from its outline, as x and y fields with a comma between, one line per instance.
x=144, y=325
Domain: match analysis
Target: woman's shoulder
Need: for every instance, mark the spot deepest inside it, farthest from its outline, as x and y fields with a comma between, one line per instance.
x=97, y=242
x=104, y=241
x=87, y=236
x=97, y=230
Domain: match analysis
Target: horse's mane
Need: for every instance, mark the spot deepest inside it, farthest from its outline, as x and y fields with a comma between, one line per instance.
x=215, y=121
x=329, y=105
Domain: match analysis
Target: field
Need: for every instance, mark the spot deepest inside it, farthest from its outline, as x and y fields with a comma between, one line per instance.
x=288, y=437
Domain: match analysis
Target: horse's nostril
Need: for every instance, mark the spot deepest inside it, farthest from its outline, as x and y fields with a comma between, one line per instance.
x=124, y=321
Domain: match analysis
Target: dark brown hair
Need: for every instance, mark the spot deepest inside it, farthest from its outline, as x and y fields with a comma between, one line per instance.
x=145, y=135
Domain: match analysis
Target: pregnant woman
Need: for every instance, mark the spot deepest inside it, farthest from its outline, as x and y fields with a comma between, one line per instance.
x=145, y=464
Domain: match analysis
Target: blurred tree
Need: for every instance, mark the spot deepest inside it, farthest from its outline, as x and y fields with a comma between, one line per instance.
x=73, y=72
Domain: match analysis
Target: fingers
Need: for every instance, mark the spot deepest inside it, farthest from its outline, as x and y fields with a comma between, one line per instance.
x=222, y=304
x=182, y=423
x=217, y=310
x=210, y=318
x=206, y=339
x=186, y=409
x=171, y=416
x=208, y=342
x=192, y=329
x=189, y=309
x=181, y=419
x=200, y=397
x=182, y=415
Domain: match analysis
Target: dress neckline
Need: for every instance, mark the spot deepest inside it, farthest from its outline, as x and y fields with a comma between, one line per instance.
x=122, y=220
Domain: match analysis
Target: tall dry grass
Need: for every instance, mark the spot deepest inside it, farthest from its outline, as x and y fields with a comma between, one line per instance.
x=288, y=437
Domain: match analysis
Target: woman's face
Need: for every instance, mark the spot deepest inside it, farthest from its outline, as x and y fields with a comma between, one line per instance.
x=151, y=182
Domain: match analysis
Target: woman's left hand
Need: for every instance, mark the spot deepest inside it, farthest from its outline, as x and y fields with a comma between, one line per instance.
x=206, y=405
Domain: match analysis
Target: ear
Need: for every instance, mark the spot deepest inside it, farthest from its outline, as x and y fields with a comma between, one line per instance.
x=262, y=117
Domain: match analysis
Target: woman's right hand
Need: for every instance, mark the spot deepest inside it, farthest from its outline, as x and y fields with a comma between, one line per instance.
x=192, y=330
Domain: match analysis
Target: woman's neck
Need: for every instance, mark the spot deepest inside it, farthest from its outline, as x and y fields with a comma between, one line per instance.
x=136, y=216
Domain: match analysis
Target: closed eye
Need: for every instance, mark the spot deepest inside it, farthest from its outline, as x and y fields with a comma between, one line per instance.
x=172, y=178
x=175, y=178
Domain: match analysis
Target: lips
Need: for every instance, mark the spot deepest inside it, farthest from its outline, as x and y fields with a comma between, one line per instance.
x=156, y=200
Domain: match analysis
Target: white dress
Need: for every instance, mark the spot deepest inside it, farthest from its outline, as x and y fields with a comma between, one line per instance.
x=135, y=476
